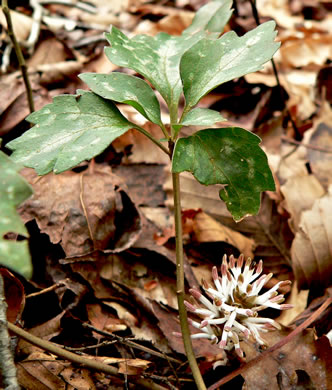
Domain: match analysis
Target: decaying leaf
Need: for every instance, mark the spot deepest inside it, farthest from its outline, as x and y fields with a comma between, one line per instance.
x=311, y=248
x=83, y=211
x=288, y=366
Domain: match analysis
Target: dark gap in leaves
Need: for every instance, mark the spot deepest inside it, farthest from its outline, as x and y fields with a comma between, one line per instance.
x=41, y=247
x=211, y=251
x=304, y=381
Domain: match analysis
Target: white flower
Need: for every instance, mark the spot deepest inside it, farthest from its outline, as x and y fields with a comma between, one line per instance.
x=230, y=313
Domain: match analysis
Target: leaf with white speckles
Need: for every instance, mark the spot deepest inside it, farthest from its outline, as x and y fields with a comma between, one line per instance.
x=124, y=88
x=220, y=60
x=201, y=117
x=229, y=156
x=68, y=131
x=13, y=191
x=157, y=58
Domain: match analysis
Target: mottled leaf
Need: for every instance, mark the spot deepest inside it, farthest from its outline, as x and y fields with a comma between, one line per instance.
x=229, y=156
x=68, y=131
x=13, y=191
x=157, y=58
x=201, y=117
x=212, y=17
x=124, y=88
x=219, y=60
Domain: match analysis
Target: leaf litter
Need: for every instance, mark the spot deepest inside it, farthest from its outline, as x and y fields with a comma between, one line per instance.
x=97, y=231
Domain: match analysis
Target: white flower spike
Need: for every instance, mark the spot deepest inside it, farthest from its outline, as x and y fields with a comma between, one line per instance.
x=230, y=313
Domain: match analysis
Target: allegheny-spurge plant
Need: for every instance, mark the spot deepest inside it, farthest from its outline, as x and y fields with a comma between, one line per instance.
x=74, y=128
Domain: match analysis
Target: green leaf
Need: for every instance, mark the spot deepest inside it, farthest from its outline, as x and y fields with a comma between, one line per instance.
x=13, y=191
x=212, y=17
x=220, y=60
x=158, y=58
x=201, y=117
x=68, y=131
x=124, y=88
x=229, y=156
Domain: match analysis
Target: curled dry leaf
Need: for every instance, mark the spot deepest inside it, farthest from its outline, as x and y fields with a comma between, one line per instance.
x=83, y=211
x=311, y=248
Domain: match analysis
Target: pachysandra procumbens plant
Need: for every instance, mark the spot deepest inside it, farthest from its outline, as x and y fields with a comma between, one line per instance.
x=74, y=128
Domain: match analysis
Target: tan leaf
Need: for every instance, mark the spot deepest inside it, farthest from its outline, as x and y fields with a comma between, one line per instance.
x=312, y=247
x=300, y=193
x=207, y=229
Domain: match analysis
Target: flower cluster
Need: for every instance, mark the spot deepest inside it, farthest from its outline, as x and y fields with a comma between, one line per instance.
x=230, y=313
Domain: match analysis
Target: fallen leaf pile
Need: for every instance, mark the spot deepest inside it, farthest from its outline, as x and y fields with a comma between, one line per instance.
x=102, y=236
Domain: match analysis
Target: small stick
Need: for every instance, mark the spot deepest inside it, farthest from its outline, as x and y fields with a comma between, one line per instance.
x=89, y=363
x=19, y=55
x=131, y=343
x=308, y=146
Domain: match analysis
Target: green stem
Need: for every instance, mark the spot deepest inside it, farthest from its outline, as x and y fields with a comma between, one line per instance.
x=154, y=140
x=164, y=130
x=180, y=285
x=19, y=55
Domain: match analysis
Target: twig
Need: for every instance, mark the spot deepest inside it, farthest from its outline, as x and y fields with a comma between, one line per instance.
x=46, y=290
x=293, y=141
x=89, y=363
x=8, y=377
x=298, y=135
x=19, y=55
x=131, y=343
x=276, y=346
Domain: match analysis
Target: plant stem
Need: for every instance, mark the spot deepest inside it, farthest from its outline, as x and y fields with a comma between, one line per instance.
x=180, y=285
x=151, y=137
x=19, y=55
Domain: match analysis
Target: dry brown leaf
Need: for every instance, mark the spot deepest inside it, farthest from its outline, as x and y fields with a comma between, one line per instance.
x=46, y=331
x=49, y=51
x=126, y=366
x=207, y=229
x=128, y=318
x=305, y=51
x=312, y=246
x=300, y=193
x=14, y=294
x=82, y=211
x=21, y=24
x=42, y=372
x=287, y=365
x=103, y=320
x=299, y=300
x=321, y=159
x=142, y=151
